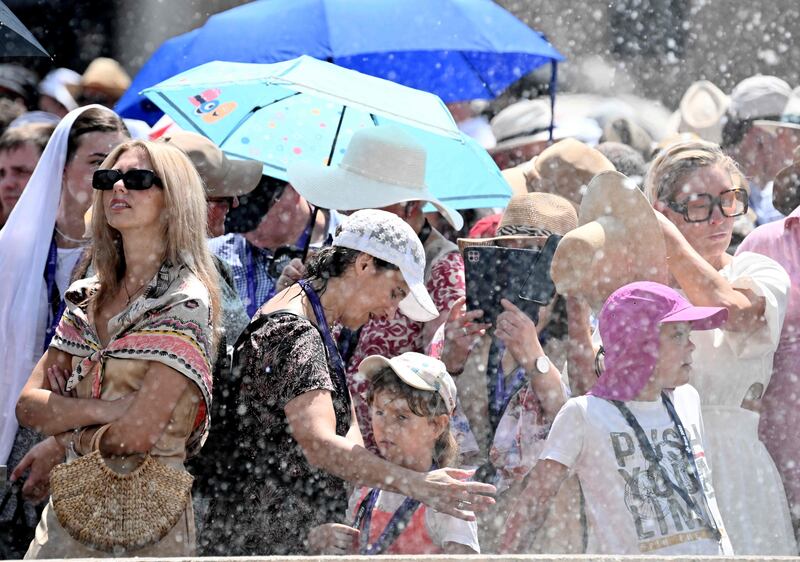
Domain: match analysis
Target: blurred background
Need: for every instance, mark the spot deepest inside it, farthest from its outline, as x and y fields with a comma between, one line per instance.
x=651, y=48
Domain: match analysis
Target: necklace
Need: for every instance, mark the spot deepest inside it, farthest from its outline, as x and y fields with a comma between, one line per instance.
x=69, y=238
x=129, y=295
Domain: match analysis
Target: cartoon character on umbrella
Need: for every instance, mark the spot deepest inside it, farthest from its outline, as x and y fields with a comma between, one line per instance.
x=209, y=108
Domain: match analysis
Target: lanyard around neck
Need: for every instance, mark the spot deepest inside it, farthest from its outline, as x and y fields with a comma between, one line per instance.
x=327, y=337
x=654, y=460
x=55, y=300
x=394, y=527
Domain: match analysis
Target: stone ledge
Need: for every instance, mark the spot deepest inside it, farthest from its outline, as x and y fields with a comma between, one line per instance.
x=448, y=558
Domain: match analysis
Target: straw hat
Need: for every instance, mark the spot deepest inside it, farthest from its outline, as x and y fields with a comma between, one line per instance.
x=530, y=217
x=702, y=111
x=619, y=241
x=565, y=169
x=104, y=75
x=382, y=166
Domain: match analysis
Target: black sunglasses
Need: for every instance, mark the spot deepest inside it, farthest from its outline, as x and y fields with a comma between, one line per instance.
x=104, y=180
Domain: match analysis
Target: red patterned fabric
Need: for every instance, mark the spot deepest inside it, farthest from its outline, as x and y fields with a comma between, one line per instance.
x=390, y=338
x=486, y=227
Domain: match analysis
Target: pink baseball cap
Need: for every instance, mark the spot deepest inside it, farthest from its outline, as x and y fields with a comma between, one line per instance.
x=630, y=322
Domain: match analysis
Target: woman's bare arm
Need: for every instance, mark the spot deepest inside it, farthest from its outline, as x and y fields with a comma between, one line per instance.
x=50, y=413
x=531, y=508
x=143, y=423
x=705, y=286
x=312, y=421
x=580, y=351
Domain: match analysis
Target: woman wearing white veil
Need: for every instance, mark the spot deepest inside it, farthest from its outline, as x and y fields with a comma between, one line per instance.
x=40, y=245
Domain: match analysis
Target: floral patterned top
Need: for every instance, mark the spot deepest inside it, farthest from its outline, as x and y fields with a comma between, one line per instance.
x=274, y=496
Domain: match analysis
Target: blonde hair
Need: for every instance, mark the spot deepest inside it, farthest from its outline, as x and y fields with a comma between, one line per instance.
x=423, y=403
x=677, y=160
x=183, y=221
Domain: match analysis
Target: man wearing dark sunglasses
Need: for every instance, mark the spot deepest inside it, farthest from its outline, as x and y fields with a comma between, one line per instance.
x=272, y=226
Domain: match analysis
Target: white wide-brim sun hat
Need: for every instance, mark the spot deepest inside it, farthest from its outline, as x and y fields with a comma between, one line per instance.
x=383, y=166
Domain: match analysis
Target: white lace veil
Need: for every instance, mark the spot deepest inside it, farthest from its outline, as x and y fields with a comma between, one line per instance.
x=24, y=245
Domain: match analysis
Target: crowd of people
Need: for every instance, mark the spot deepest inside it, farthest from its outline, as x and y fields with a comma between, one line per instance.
x=203, y=359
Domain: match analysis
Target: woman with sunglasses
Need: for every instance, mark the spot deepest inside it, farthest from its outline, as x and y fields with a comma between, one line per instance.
x=128, y=372
x=699, y=192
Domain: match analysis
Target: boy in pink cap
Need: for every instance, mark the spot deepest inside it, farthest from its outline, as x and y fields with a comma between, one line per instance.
x=636, y=441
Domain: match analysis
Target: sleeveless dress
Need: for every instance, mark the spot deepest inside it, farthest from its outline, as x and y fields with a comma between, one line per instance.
x=169, y=323
x=726, y=364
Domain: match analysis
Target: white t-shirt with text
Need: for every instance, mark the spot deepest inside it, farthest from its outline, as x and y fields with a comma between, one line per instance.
x=629, y=509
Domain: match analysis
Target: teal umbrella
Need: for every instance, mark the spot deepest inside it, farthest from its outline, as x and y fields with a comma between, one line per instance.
x=306, y=109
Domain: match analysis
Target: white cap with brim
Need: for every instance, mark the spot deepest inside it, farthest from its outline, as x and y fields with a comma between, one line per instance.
x=382, y=166
x=386, y=236
x=416, y=370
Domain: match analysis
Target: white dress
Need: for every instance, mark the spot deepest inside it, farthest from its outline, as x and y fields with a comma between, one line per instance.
x=726, y=364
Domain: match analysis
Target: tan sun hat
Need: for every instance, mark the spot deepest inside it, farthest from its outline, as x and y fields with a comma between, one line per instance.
x=222, y=176
x=383, y=166
x=105, y=75
x=619, y=241
x=530, y=217
x=565, y=169
x=702, y=111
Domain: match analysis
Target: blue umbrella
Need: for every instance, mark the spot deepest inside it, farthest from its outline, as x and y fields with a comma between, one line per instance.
x=457, y=49
x=306, y=109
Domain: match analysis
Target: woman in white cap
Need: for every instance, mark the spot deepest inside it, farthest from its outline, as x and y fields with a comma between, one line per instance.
x=700, y=191
x=298, y=441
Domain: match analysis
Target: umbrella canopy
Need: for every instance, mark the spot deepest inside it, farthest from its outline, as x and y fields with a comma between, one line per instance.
x=15, y=39
x=458, y=49
x=306, y=109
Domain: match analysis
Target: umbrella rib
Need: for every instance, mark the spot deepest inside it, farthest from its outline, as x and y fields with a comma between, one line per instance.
x=336, y=135
x=247, y=116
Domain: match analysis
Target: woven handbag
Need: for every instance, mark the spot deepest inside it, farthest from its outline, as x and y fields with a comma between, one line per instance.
x=115, y=512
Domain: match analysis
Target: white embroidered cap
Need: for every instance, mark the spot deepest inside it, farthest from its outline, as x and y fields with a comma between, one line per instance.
x=416, y=370
x=386, y=236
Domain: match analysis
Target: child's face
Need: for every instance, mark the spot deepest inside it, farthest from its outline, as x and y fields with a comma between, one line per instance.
x=674, y=365
x=403, y=437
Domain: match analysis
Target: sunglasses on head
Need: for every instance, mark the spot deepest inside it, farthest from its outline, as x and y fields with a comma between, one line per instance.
x=104, y=180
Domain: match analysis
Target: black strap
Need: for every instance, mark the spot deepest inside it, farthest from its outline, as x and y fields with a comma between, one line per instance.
x=654, y=460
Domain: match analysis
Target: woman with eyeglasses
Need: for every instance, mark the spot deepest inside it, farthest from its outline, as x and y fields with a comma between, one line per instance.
x=699, y=192
x=128, y=372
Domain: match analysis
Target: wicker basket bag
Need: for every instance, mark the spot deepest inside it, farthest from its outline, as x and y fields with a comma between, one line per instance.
x=115, y=512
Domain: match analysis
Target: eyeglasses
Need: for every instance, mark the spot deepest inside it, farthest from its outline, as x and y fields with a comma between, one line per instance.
x=699, y=206
x=104, y=180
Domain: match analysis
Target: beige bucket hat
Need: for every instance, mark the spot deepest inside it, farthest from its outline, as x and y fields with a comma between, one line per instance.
x=222, y=176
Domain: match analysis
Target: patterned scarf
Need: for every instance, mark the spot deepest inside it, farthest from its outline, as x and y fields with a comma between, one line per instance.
x=170, y=323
